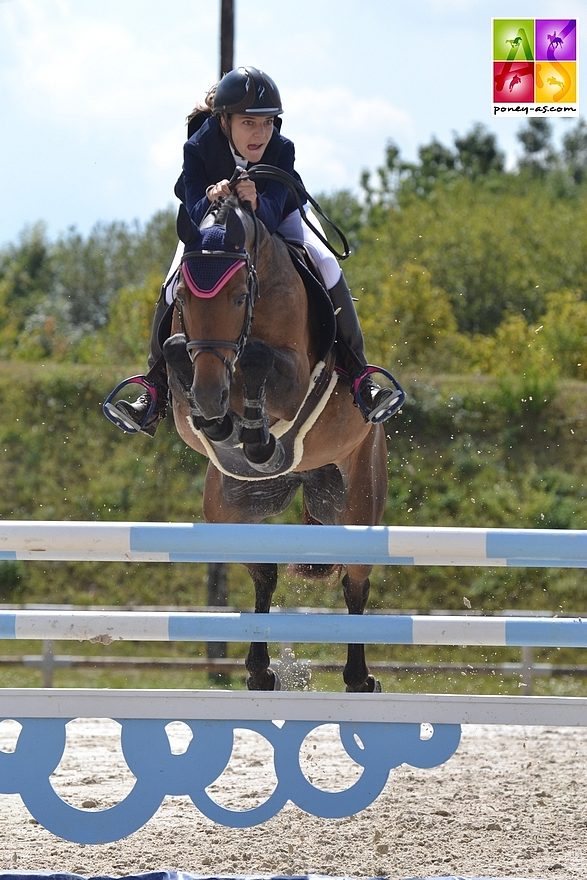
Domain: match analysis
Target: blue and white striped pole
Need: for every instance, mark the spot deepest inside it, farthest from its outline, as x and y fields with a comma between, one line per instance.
x=373, y=629
x=375, y=545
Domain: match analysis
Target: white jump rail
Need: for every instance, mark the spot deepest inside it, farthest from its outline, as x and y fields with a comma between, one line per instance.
x=376, y=545
x=323, y=708
x=106, y=627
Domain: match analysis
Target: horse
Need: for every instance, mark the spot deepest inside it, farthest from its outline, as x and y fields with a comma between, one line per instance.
x=255, y=389
x=554, y=41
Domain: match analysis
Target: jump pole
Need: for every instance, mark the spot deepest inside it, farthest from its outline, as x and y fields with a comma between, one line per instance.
x=372, y=629
x=375, y=545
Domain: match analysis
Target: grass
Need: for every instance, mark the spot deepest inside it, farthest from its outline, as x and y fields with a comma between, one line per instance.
x=467, y=681
x=456, y=683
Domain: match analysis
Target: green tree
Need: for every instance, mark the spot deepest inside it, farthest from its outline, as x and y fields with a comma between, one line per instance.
x=574, y=152
x=124, y=338
x=435, y=163
x=26, y=274
x=563, y=328
x=478, y=153
x=538, y=156
x=409, y=322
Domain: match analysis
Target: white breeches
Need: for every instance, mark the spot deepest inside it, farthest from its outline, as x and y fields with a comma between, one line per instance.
x=294, y=229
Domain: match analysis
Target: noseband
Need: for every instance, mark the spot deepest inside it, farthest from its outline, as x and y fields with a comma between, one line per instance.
x=196, y=347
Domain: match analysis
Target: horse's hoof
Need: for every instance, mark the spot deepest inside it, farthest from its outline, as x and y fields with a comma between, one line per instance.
x=371, y=685
x=271, y=683
x=266, y=459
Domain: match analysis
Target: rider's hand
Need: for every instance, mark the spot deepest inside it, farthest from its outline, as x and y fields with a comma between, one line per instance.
x=247, y=192
x=218, y=190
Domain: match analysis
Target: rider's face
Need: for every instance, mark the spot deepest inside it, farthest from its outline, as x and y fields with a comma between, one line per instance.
x=251, y=134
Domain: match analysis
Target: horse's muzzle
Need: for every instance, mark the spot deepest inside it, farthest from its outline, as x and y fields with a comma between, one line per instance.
x=209, y=401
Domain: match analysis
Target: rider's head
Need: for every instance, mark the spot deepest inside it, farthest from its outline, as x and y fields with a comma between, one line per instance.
x=246, y=101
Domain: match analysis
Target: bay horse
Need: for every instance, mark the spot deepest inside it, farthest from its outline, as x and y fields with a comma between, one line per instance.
x=255, y=389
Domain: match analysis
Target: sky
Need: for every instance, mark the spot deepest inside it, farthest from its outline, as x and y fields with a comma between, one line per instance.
x=94, y=95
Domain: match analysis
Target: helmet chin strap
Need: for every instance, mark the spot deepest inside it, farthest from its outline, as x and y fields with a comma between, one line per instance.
x=226, y=128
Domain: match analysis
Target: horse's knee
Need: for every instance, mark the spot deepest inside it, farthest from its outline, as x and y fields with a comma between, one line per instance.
x=256, y=361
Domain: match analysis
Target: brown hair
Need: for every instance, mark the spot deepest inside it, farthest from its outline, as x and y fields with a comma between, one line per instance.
x=203, y=107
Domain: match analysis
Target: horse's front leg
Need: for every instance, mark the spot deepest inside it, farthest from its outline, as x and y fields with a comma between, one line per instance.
x=281, y=374
x=356, y=673
x=261, y=676
x=266, y=371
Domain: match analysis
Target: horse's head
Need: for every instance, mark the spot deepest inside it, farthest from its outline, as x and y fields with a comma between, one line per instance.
x=215, y=302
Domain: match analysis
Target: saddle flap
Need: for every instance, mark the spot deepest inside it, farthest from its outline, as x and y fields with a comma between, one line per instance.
x=320, y=309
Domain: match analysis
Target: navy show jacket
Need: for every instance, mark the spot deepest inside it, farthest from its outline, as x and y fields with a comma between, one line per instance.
x=207, y=159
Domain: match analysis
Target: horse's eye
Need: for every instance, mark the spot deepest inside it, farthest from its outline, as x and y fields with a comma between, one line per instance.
x=240, y=299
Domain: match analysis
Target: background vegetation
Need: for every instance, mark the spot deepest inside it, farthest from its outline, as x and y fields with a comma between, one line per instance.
x=472, y=288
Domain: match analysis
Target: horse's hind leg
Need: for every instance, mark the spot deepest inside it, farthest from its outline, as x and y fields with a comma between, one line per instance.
x=230, y=500
x=366, y=494
x=356, y=675
x=261, y=676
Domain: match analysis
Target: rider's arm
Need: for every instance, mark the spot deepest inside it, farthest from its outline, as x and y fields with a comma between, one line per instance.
x=195, y=183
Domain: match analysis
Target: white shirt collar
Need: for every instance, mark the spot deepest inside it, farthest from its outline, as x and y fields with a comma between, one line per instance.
x=238, y=160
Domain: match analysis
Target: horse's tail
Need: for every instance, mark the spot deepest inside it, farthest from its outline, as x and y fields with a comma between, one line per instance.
x=308, y=569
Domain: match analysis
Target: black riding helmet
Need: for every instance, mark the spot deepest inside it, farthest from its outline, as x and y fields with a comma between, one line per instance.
x=249, y=91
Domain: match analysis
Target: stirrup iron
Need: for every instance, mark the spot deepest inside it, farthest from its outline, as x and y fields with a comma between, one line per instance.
x=122, y=419
x=393, y=394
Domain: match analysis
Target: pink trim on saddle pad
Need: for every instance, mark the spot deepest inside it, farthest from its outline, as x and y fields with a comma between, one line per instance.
x=222, y=280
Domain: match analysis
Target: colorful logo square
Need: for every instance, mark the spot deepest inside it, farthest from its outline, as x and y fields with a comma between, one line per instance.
x=556, y=82
x=513, y=39
x=556, y=39
x=513, y=82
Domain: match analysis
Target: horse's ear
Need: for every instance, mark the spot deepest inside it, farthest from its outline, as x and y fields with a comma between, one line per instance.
x=234, y=238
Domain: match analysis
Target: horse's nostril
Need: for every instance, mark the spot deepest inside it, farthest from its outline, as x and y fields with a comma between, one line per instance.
x=224, y=397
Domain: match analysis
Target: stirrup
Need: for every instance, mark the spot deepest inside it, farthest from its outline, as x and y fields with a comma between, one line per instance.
x=122, y=419
x=391, y=398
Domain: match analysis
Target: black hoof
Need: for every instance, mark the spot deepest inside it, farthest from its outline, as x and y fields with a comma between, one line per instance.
x=266, y=459
x=371, y=685
x=272, y=682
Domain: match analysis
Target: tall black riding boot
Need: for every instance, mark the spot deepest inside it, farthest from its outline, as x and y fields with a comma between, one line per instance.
x=138, y=412
x=377, y=403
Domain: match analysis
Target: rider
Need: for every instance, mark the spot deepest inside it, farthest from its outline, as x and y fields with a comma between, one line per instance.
x=240, y=126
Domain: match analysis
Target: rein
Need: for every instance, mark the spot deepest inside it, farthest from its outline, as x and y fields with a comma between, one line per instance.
x=196, y=347
x=300, y=193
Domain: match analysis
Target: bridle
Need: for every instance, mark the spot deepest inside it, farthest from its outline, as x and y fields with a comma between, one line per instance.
x=197, y=347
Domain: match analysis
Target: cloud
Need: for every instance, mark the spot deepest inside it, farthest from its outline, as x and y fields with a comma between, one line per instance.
x=165, y=150
x=338, y=133
x=93, y=67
